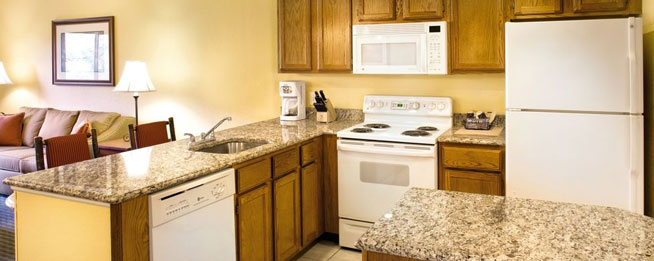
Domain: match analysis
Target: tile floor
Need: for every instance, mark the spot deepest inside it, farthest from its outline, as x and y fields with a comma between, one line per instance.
x=330, y=251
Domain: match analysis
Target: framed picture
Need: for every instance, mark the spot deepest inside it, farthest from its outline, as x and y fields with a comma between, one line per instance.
x=83, y=52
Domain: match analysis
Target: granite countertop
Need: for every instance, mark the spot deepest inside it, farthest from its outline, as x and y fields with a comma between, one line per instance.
x=117, y=178
x=450, y=137
x=441, y=225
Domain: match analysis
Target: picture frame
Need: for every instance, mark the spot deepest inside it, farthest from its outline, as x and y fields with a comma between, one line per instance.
x=83, y=52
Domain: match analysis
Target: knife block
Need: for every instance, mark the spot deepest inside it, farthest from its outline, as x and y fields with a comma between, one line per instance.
x=327, y=116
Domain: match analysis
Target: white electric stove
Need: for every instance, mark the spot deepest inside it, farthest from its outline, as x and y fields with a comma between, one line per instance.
x=393, y=150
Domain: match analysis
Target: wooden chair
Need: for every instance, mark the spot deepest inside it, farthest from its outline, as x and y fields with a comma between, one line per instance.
x=65, y=149
x=150, y=134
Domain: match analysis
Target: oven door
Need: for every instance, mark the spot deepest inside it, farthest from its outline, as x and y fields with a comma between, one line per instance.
x=390, y=54
x=373, y=176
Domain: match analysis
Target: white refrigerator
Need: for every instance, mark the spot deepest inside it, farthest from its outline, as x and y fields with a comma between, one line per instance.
x=574, y=120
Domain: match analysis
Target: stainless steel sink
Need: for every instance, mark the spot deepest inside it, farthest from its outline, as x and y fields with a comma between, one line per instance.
x=233, y=147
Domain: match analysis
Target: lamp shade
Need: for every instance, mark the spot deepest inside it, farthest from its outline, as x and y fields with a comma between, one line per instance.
x=4, y=78
x=135, y=78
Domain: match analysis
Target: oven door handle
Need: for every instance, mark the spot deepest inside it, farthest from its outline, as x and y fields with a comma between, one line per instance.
x=392, y=152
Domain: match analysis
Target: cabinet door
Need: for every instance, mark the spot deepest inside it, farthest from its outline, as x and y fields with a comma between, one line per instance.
x=312, y=212
x=330, y=186
x=287, y=216
x=473, y=182
x=255, y=225
x=537, y=7
x=334, y=35
x=580, y=6
x=375, y=10
x=477, y=35
x=422, y=9
x=294, y=35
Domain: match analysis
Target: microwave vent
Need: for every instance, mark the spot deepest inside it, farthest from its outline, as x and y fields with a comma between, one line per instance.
x=391, y=29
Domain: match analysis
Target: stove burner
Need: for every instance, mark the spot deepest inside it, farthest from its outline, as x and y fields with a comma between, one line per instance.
x=362, y=130
x=416, y=133
x=428, y=128
x=377, y=126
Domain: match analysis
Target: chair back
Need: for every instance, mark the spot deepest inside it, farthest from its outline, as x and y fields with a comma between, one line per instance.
x=150, y=134
x=65, y=150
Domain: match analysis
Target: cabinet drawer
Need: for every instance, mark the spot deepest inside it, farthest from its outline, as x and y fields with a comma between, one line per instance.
x=310, y=152
x=253, y=175
x=286, y=162
x=473, y=182
x=472, y=158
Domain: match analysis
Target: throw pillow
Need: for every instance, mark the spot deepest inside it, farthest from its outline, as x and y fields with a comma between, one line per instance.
x=32, y=123
x=11, y=127
x=58, y=123
x=81, y=128
x=100, y=121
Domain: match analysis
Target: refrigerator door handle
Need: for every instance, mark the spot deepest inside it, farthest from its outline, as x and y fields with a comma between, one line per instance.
x=636, y=165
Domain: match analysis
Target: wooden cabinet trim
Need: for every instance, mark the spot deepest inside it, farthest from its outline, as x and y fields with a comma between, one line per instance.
x=573, y=9
x=130, y=230
x=473, y=182
x=582, y=6
x=330, y=185
x=472, y=158
x=252, y=175
x=522, y=8
x=286, y=161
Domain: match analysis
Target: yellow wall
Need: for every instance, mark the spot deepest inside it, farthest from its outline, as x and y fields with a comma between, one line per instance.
x=56, y=229
x=207, y=58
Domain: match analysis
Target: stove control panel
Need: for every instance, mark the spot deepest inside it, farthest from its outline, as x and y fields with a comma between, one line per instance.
x=428, y=106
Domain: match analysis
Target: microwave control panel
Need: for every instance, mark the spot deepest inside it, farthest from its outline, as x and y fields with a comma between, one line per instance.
x=437, y=48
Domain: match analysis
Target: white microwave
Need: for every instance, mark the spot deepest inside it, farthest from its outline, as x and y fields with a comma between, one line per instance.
x=407, y=48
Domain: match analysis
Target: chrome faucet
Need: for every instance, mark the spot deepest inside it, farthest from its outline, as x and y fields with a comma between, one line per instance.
x=204, y=136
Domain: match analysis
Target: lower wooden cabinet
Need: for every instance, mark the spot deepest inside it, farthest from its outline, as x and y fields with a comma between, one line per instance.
x=255, y=224
x=471, y=168
x=473, y=182
x=312, y=201
x=288, y=240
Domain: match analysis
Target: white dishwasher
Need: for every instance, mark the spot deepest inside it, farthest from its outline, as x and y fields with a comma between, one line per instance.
x=195, y=220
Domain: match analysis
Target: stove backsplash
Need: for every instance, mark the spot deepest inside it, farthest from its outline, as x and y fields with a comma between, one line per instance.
x=460, y=118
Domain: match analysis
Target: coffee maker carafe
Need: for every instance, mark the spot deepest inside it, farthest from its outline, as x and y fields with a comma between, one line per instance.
x=293, y=100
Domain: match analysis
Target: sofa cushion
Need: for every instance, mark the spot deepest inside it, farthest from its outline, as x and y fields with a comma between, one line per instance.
x=32, y=122
x=28, y=165
x=11, y=160
x=100, y=121
x=11, y=127
x=58, y=123
x=81, y=128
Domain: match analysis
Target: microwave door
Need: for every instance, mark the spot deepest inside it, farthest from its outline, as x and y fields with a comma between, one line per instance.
x=390, y=54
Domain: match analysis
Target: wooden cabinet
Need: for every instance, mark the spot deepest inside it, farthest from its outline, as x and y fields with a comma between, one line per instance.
x=255, y=240
x=472, y=182
x=312, y=205
x=477, y=36
x=534, y=7
x=334, y=35
x=471, y=168
x=563, y=9
x=294, y=23
x=330, y=185
x=288, y=240
x=599, y=5
x=397, y=11
x=315, y=35
x=422, y=9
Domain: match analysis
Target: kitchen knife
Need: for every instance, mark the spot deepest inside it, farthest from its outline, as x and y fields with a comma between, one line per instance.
x=318, y=99
x=322, y=95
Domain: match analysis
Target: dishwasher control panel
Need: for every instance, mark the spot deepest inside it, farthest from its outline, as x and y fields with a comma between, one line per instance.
x=188, y=197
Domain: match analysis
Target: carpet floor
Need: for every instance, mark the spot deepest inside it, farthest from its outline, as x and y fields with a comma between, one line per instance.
x=6, y=231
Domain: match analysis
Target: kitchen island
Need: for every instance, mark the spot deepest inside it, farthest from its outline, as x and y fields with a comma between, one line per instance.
x=442, y=225
x=98, y=209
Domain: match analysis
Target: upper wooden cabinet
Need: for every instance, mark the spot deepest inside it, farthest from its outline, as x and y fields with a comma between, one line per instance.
x=533, y=7
x=554, y=9
x=422, y=9
x=477, y=36
x=315, y=35
x=294, y=35
x=375, y=10
x=397, y=11
x=334, y=35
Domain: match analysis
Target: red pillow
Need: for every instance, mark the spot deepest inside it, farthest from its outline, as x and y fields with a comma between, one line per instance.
x=11, y=129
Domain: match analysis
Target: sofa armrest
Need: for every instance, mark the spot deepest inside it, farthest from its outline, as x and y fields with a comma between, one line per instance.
x=118, y=129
